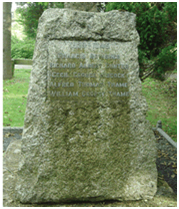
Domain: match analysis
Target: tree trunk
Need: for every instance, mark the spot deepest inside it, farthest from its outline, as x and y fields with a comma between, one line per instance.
x=7, y=66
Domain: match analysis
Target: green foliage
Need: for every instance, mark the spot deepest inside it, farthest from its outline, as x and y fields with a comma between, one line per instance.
x=171, y=9
x=30, y=13
x=22, y=48
x=165, y=60
x=155, y=24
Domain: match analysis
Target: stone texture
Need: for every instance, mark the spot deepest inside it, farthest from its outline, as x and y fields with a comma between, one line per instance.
x=11, y=160
x=82, y=6
x=165, y=197
x=77, y=148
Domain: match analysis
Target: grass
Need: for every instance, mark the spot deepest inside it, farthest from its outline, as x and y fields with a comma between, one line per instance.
x=15, y=98
x=161, y=99
x=162, y=104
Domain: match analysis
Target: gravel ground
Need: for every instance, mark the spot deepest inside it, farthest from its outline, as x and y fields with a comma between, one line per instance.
x=166, y=159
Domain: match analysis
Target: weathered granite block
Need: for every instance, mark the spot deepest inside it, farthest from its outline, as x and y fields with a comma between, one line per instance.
x=85, y=135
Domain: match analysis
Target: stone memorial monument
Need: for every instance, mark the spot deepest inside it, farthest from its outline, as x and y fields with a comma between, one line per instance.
x=85, y=134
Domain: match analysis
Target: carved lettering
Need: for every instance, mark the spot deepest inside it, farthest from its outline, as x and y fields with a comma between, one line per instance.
x=117, y=66
x=61, y=84
x=62, y=65
x=84, y=75
x=102, y=46
x=79, y=45
x=112, y=75
x=104, y=56
x=119, y=94
x=59, y=75
x=86, y=70
x=71, y=56
x=90, y=65
x=89, y=94
x=82, y=45
x=89, y=84
x=63, y=93
x=112, y=84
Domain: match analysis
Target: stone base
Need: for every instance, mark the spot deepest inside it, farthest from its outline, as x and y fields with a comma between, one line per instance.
x=163, y=198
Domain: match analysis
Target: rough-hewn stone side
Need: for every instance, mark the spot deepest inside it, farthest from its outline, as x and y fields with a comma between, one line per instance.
x=86, y=151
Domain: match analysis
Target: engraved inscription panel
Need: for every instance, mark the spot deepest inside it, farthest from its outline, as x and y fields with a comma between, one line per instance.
x=87, y=70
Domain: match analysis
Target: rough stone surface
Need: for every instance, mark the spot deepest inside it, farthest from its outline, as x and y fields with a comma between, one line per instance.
x=10, y=167
x=79, y=145
x=164, y=197
x=82, y=6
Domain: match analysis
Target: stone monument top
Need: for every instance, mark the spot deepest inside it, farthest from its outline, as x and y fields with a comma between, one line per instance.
x=82, y=6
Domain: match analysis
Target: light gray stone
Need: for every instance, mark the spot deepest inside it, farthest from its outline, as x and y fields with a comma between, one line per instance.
x=82, y=141
x=82, y=6
x=10, y=167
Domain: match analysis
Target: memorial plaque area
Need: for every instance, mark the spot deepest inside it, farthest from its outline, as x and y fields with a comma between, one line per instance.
x=87, y=70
